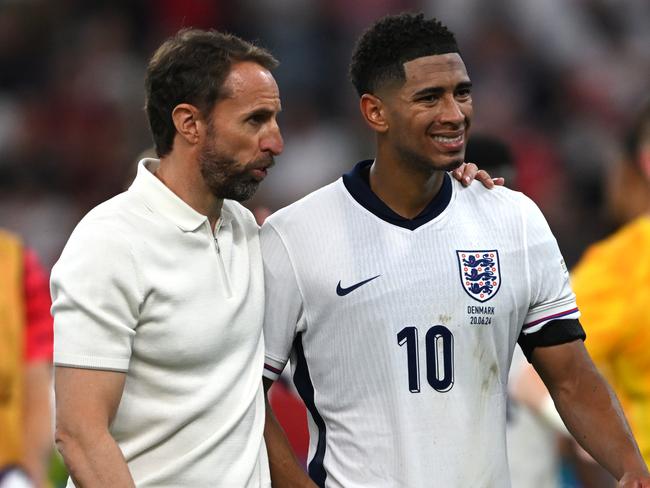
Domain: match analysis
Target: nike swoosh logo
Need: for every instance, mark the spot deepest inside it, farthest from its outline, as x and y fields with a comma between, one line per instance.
x=340, y=291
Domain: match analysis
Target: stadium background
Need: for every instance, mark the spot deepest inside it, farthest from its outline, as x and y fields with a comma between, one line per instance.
x=558, y=80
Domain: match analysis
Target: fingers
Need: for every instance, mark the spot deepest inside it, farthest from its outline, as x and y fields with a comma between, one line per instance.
x=484, y=177
x=468, y=172
x=458, y=172
x=465, y=173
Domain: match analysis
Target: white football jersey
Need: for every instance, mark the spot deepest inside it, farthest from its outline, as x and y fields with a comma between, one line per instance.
x=401, y=338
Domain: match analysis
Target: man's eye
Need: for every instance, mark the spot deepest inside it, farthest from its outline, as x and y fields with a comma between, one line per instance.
x=259, y=118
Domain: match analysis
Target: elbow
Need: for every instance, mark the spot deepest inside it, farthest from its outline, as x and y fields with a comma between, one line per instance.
x=72, y=441
x=63, y=440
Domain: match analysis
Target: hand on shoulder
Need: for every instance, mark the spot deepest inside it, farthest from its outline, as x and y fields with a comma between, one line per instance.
x=468, y=172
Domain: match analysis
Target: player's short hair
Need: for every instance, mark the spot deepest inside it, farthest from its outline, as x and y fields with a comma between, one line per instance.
x=382, y=50
x=190, y=67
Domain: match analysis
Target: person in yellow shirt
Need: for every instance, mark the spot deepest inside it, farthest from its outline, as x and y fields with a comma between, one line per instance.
x=612, y=286
x=26, y=341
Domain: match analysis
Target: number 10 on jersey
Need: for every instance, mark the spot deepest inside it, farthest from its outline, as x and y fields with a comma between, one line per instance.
x=439, y=346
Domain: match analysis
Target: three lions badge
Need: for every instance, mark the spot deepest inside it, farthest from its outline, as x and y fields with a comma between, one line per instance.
x=480, y=273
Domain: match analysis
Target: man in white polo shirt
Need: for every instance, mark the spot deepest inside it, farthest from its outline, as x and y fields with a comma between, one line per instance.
x=158, y=295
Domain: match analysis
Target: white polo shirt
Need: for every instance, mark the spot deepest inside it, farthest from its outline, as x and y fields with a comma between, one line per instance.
x=143, y=286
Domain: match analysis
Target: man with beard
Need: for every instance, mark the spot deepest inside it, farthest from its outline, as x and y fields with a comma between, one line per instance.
x=158, y=294
x=400, y=295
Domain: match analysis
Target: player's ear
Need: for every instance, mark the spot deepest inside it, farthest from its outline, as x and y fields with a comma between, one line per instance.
x=374, y=112
x=188, y=121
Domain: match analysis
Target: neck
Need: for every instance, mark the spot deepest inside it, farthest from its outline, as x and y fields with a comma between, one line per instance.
x=182, y=176
x=407, y=191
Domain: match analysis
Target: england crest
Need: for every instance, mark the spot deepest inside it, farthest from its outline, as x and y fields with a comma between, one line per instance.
x=480, y=273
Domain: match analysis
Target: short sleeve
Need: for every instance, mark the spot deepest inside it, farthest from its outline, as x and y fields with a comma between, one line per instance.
x=39, y=334
x=283, y=308
x=95, y=300
x=551, y=295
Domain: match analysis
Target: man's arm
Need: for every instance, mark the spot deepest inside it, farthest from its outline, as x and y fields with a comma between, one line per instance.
x=285, y=469
x=591, y=411
x=37, y=420
x=86, y=403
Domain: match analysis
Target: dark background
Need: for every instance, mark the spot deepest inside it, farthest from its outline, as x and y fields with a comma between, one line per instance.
x=558, y=80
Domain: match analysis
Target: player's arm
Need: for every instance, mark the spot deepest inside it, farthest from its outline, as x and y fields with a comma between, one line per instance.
x=285, y=468
x=86, y=402
x=467, y=172
x=591, y=411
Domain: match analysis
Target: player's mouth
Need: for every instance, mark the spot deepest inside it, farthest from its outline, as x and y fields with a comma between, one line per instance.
x=449, y=142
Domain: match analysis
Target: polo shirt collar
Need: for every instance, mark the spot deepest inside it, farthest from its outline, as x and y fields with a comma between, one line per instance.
x=160, y=199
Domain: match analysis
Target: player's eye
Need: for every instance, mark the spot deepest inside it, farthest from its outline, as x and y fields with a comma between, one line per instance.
x=464, y=92
x=428, y=98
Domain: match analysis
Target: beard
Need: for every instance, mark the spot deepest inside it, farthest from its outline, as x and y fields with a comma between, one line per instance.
x=227, y=178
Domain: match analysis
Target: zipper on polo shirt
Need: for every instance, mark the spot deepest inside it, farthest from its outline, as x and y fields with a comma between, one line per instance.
x=222, y=266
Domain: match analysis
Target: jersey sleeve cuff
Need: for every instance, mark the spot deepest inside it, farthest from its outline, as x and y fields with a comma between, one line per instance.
x=540, y=316
x=273, y=368
x=91, y=362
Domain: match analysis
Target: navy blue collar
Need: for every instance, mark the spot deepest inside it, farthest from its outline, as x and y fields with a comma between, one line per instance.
x=357, y=182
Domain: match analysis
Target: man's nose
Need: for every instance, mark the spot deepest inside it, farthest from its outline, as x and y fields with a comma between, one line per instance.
x=272, y=141
x=451, y=111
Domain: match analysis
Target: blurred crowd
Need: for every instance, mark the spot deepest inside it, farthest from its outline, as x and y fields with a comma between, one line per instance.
x=558, y=80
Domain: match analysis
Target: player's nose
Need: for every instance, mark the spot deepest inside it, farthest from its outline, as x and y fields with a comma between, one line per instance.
x=451, y=111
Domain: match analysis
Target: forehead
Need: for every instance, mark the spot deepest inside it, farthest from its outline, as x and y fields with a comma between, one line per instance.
x=438, y=70
x=249, y=84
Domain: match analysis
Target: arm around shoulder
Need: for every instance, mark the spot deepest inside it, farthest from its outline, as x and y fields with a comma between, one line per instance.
x=286, y=472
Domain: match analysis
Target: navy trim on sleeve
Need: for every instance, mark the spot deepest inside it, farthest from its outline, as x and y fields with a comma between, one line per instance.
x=554, y=333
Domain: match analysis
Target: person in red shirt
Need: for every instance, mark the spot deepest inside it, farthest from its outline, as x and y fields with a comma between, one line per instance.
x=25, y=406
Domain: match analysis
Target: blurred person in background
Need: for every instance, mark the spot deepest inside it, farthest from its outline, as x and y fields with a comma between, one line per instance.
x=396, y=232
x=533, y=454
x=612, y=284
x=541, y=451
x=25, y=366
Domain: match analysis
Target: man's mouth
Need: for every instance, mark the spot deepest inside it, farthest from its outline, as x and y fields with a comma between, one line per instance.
x=450, y=142
x=259, y=173
x=261, y=169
